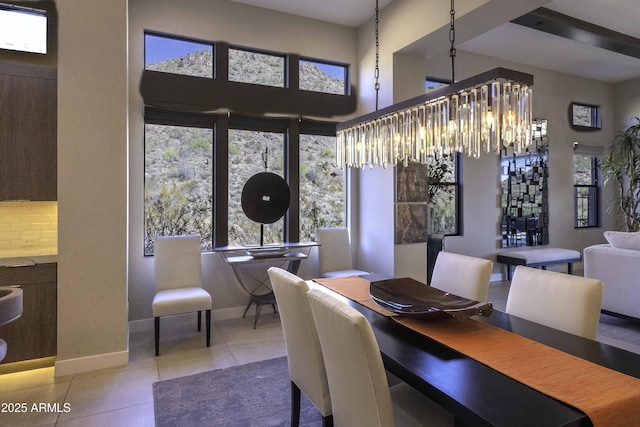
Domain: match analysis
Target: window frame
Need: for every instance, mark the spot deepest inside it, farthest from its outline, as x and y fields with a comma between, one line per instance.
x=595, y=187
x=457, y=185
x=346, y=67
x=182, y=39
x=283, y=56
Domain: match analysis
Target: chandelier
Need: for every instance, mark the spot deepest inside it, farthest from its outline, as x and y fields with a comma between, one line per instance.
x=481, y=113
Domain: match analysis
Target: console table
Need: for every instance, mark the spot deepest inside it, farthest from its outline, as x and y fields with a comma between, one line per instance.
x=259, y=288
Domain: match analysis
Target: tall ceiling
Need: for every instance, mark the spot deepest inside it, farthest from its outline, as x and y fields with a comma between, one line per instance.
x=510, y=41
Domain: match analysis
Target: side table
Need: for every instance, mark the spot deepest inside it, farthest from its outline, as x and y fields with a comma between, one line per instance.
x=259, y=288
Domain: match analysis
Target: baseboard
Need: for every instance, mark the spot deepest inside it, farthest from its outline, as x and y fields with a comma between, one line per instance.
x=145, y=325
x=90, y=363
x=497, y=277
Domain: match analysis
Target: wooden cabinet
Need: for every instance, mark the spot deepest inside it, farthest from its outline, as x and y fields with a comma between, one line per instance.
x=34, y=334
x=28, y=132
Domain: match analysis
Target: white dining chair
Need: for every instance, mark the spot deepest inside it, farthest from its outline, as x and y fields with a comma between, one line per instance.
x=462, y=275
x=360, y=392
x=304, y=355
x=557, y=300
x=334, y=253
x=178, y=281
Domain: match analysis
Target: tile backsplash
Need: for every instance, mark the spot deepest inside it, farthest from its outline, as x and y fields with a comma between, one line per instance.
x=28, y=229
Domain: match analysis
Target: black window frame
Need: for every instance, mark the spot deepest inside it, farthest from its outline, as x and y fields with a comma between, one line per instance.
x=457, y=185
x=593, y=219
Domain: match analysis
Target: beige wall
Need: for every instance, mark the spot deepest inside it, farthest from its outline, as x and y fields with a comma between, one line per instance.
x=214, y=20
x=92, y=185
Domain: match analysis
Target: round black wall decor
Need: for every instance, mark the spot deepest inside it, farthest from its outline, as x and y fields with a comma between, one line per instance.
x=265, y=197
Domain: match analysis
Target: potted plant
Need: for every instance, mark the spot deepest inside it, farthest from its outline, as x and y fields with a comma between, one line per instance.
x=622, y=166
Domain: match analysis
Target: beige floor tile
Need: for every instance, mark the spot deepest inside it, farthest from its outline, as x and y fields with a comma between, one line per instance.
x=37, y=406
x=109, y=389
x=134, y=416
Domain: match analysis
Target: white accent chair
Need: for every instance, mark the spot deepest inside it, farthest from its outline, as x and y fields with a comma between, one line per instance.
x=334, y=253
x=304, y=355
x=462, y=275
x=178, y=281
x=360, y=392
x=557, y=300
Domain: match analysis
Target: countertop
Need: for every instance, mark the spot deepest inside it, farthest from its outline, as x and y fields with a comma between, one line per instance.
x=28, y=260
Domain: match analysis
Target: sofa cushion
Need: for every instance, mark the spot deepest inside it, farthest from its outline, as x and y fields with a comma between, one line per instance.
x=623, y=240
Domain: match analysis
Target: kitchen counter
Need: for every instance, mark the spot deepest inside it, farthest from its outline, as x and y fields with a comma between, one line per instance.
x=27, y=260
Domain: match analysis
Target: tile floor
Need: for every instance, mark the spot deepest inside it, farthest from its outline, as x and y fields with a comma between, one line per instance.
x=123, y=396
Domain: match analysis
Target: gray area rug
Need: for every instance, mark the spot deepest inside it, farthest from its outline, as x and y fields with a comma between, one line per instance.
x=255, y=394
x=620, y=329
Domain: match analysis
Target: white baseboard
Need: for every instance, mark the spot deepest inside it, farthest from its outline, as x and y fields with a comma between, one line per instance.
x=90, y=363
x=145, y=325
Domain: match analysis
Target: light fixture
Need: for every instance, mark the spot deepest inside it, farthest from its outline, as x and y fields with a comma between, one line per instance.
x=481, y=113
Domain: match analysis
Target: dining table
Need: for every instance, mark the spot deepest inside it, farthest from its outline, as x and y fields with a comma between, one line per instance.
x=477, y=394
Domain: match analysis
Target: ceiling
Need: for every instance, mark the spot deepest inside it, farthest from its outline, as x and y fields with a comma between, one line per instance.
x=509, y=41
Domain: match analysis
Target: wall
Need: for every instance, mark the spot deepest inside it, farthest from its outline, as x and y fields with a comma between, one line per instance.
x=92, y=185
x=214, y=20
x=28, y=229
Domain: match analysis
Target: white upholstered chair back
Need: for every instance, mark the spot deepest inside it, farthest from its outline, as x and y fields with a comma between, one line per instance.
x=462, y=275
x=561, y=301
x=334, y=253
x=306, y=365
x=360, y=393
x=177, y=262
x=357, y=379
x=178, y=282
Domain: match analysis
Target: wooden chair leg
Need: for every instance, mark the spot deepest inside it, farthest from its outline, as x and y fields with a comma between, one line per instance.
x=157, y=330
x=208, y=327
x=295, y=405
x=199, y=321
x=258, y=310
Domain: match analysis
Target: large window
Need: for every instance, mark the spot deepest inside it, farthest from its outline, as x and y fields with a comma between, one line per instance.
x=322, y=186
x=177, y=184
x=252, y=152
x=586, y=191
x=261, y=68
x=178, y=56
x=195, y=172
x=444, y=194
x=323, y=77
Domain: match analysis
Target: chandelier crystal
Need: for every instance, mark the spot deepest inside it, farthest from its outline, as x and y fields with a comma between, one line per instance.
x=482, y=113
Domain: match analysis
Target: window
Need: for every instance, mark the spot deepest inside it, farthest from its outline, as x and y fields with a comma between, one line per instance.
x=432, y=83
x=252, y=152
x=178, y=56
x=444, y=194
x=586, y=193
x=177, y=183
x=195, y=172
x=260, y=68
x=323, y=77
x=322, y=186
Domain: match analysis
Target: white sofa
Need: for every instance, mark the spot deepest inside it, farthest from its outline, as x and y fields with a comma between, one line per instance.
x=617, y=265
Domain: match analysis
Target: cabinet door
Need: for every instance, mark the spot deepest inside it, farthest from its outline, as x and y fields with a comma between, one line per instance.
x=33, y=335
x=28, y=148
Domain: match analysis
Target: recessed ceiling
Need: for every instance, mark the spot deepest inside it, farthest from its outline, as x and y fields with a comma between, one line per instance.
x=508, y=41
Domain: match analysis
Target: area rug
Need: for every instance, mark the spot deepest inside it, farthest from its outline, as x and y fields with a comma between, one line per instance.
x=620, y=329
x=255, y=394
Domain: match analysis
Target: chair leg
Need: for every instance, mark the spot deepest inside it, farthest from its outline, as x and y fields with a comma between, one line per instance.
x=208, y=327
x=199, y=321
x=157, y=330
x=327, y=421
x=295, y=405
x=258, y=310
x=247, y=309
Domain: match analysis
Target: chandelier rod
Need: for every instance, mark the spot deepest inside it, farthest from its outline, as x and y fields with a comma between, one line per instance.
x=377, y=68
